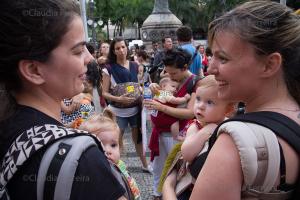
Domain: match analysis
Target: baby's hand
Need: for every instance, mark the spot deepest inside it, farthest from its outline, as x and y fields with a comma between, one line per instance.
x=187, y=97
x=102, y=60
x=208, y=129
x=180, y=138
x=155, y=88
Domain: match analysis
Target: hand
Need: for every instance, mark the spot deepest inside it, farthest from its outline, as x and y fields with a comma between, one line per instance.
x=180, y=138
x=154, y=87
x=76, y=102
x=102, y=60
x=187, y=96
x=208, y=129
x=124, y=99
x=153, y=105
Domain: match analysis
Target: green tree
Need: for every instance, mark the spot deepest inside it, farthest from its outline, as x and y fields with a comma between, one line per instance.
x=195, y=13
x=122, y=13
x=104, y=10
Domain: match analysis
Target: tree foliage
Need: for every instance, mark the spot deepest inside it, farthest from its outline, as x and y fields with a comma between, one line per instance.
x=123, y=13
x=195, y=13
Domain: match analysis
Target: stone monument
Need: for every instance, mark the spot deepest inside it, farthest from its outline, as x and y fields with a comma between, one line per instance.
x=161, y=23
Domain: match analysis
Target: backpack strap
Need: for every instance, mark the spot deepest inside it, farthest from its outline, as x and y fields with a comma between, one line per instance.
x=194, y=56
x=60, y=162
x=192, y=83
x=26, y=145
x=279, y=125
x=259, y=153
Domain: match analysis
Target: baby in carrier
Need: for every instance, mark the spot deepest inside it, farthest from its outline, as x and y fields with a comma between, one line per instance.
x=166, y=96
x=105, y=128
x=208, y=111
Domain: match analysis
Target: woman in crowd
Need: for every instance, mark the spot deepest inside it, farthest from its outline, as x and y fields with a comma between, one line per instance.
x=176, y=63
x=119, y=71
x=256, y=60
x=103, y=53
x=44, y=62
x=102, y=59
x=143, y=76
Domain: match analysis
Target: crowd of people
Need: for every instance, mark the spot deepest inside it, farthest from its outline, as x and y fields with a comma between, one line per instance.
x=55, y=88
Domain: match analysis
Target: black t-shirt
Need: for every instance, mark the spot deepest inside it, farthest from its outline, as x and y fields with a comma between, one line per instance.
x=94, y=179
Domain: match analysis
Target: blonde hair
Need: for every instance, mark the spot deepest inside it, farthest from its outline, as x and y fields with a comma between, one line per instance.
x=101, y=122
x=208, y=81
x=164, y=81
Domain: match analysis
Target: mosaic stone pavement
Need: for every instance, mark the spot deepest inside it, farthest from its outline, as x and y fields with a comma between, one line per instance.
x=134, y=165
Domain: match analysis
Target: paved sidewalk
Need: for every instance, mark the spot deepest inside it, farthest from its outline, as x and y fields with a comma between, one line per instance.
x=134, y=165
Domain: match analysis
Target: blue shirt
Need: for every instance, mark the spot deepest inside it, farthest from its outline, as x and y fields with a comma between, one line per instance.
x=196, y=65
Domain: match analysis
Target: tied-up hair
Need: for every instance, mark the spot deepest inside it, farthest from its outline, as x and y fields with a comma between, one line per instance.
x=269, y=27
x=30, y=30
x=177, y=58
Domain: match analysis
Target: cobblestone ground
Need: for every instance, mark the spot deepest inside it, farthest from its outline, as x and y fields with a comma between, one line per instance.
x=134, y=165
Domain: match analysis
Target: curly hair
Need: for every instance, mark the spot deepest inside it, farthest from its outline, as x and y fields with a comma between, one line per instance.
x=177, y=58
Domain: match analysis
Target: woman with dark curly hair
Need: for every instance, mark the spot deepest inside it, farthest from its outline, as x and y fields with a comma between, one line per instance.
x=119, y=72
x=176, y=63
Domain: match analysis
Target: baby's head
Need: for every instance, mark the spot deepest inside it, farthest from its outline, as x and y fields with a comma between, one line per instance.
x=168, y=84
x=208, y=108
x=105, y=128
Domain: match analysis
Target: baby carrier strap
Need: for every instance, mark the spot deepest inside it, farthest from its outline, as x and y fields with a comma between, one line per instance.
x=122, y=74
x=58, y=167
x=260, y=153
x=192, y=83
x=26, y=145
x=281, y=125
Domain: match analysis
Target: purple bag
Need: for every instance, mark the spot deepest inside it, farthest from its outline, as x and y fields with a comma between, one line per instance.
x=131, y=89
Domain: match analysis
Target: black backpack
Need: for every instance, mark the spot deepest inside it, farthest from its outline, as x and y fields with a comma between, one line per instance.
x=64, y=149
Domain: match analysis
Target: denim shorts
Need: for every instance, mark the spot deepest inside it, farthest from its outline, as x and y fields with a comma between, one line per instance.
x=123, y=121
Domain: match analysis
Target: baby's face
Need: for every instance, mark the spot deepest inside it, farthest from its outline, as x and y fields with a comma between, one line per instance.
x=170, y=86
x=110, y=142
x=208, y=108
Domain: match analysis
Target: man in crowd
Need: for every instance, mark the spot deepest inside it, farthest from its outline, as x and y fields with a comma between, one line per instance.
x=184, y=37
x=157, y=66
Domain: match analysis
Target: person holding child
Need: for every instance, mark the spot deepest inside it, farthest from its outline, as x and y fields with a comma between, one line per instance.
x=256, y=60
x=209, y=110
x=166, y=96
x=119, y=72
x=105, y=128
x=176, y=63
x=80, y=107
